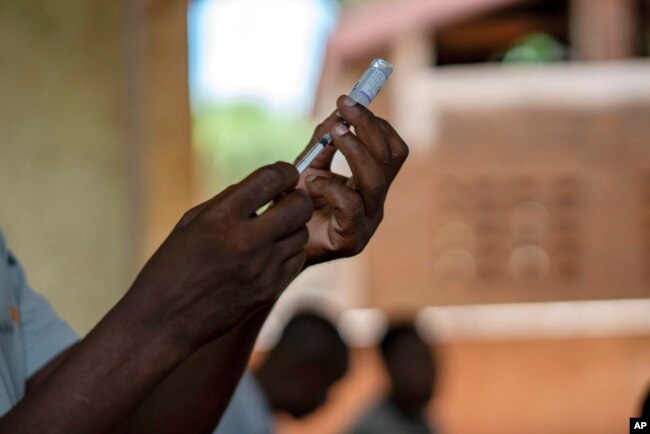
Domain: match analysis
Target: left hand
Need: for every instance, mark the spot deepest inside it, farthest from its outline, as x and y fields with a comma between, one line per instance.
x=347, y=211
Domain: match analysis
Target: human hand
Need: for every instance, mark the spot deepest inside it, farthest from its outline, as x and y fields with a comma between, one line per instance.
x=347, y=211
x=223, y=262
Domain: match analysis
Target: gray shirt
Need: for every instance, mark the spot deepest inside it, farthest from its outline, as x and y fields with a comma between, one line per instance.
x=31, y=334
x=248, y=411
x=386, y=418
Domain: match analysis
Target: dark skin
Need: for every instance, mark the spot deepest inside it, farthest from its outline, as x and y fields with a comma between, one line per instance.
x=168, y=356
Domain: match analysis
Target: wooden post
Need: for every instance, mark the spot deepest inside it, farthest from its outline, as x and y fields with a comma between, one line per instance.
x=159, y=138
x=603, y=29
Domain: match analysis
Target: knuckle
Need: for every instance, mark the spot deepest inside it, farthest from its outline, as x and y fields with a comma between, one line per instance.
x=382, y=122
x=228, y=190
x=386, y=127
x=280, y=175
x=379, y=187
x=352, y=144
x=403, y=151
x=285, y=167
x=385, y=160
x=355, y=247
x=215, y=212
x=187, y=217
x=366, y=118
x=271, y=176
x=400, y=149
x=205, y=219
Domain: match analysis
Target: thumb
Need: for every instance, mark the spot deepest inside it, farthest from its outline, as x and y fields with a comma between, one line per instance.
x=311, y=173
x=315, y=185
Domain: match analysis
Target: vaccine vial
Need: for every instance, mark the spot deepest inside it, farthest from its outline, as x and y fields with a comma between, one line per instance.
x=371, y=82
x=366, y=89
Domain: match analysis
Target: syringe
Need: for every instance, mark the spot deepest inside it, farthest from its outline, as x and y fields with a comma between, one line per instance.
x=368, y=86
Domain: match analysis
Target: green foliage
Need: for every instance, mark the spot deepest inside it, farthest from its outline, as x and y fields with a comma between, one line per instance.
x=536, y=48
x=233, y=140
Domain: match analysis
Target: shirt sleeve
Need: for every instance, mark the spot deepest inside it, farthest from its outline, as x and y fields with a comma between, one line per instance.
x=247, y=412
x=45, y=335
x=234, y=416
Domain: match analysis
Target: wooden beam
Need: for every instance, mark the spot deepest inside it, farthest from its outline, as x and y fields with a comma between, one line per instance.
x=603, y=29
x=160, y=132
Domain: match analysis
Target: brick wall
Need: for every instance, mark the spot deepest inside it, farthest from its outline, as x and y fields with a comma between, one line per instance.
x=520, y=205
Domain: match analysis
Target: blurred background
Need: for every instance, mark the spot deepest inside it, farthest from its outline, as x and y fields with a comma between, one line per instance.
x=517, y=236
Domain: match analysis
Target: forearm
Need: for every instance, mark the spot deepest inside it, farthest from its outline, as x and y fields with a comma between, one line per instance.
x=101, y=381
x=194, y=397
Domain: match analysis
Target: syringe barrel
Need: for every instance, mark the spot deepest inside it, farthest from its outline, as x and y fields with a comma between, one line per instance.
x=371, y=82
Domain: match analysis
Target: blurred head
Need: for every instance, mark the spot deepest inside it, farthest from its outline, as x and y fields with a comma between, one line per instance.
x=410, y=367
x=645, y=406
x=307, y=360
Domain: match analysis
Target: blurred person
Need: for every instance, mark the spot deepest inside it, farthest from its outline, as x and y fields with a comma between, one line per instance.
x=167, y=357
x=412, y=375
x=295, y=377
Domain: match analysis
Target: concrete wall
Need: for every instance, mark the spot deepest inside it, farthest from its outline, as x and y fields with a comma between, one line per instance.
x=63, y=184
x=95, y=146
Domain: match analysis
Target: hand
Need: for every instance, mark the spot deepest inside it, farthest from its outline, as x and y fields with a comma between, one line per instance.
x=223, y=262
x=347, y=211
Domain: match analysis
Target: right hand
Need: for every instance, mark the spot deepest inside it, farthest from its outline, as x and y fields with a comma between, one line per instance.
x=223, y=262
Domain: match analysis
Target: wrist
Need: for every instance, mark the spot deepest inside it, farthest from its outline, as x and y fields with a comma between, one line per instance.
x=146, y=322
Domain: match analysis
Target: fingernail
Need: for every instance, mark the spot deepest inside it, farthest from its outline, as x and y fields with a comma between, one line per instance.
x=340, y=129
x=349, y=102
x=310, y=178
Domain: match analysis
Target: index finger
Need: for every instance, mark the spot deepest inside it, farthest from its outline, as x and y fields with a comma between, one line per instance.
x=260, y=187
x=398, y=148
x=368, y=129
